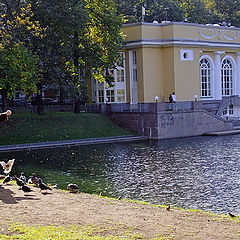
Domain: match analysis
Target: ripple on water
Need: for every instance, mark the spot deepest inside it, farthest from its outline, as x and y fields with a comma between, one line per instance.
x=200, y=172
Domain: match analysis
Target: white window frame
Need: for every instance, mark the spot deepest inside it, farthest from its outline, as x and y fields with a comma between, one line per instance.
x=208, y=76
x=133, y=75
x=227, y=77
x=121, y=85
x=232, y=75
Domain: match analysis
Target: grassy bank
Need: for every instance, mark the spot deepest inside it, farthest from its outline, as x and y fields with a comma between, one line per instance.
x=62, y=215
x=57, y=126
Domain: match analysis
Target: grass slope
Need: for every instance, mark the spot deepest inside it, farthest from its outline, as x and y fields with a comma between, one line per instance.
x=57, y=126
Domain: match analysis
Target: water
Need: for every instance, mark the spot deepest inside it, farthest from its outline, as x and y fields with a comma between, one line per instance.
x=200, y=173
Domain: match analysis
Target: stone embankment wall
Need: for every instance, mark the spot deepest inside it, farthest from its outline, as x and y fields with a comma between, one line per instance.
x=173, y=124
x=145, y=124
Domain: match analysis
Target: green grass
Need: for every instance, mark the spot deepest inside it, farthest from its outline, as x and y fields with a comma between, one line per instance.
x=19, y=231
x=27, y=127
x=108, y=231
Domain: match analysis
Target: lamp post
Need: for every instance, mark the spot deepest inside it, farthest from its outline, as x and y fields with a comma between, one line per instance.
x=156, y=99
x=195, y=98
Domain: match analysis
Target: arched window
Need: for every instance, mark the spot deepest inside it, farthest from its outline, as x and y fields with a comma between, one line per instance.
x=205, y=78
x=227, y=78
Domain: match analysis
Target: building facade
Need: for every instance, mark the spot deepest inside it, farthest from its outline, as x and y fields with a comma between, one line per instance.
x=188, y=59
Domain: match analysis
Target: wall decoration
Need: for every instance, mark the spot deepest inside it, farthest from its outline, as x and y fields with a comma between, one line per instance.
x=220, y=34
x=166, y=119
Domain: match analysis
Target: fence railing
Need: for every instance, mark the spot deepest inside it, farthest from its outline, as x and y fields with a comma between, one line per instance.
x=208, y=105
x=179, y=106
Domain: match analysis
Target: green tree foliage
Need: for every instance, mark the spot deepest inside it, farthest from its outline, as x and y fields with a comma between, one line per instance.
x=18, y=65
x=165, y=10
x=227, y=11
x=82, y=38
x=195, y=11
x=18, y=71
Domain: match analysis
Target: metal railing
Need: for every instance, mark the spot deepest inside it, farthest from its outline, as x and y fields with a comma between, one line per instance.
x=185, y=105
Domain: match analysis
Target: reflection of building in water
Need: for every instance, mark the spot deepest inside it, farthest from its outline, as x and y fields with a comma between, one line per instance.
x=188, y=59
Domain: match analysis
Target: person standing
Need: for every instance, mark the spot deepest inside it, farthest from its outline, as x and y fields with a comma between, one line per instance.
x=174, y=97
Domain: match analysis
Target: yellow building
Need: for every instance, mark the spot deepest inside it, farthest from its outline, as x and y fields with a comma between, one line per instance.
x=188, y=59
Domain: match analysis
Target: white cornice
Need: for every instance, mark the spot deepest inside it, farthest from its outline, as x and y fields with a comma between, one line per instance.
x=180, y=42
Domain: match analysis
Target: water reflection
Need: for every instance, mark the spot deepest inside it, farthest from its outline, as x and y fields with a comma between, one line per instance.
x=201, y=172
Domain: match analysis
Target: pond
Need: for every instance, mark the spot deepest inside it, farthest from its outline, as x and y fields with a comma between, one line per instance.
x=200, y=172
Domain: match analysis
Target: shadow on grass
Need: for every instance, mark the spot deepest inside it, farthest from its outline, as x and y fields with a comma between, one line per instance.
x=7, y=196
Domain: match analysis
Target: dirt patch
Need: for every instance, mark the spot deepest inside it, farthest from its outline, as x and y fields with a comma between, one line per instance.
x=60, y=208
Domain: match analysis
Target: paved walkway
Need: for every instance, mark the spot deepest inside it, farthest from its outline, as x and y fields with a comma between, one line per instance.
x=77, y=142
x=224, y=133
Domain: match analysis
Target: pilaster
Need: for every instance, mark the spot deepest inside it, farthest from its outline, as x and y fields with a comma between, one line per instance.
x=217, y=90
x=237, y=78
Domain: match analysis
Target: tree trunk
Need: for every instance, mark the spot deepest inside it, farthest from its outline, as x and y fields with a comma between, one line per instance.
x=77, y=106
x=4, y=100
x=61, y=99
x=39, y=102
x=75, y=60
x=61, y=96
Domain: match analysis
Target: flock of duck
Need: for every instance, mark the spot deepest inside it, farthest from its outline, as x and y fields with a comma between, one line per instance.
x=34, y=180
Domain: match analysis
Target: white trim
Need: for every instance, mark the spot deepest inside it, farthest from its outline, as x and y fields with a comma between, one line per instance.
x=133, y=83
x=187, y=24
x=186, y=54
x=130, y=74
x=238, y=74
x=97, y=93
x=212, y=77
x=232, y=60
x=217, y=76
x=180, y=42
x=121, y=85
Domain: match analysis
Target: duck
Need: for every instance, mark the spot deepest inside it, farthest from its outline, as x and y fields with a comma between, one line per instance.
x=7, y=179
x=7, y=167
x=168, y=208
x=55, y=186
x=19, y=182
x=33, y=179
x=26, y=188
x=23, y=178
x=73, y=188
x=231, y=215
x=2, y=176
x=43, y=186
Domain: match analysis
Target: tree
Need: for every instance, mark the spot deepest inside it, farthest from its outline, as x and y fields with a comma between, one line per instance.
x=227, y=11
x=130, y=10
x=82, y=38
x=167, y=10
x=18, y=71
x=18, y=65
x=195, y=11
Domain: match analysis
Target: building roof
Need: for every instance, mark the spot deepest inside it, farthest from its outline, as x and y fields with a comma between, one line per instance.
x=181, y=34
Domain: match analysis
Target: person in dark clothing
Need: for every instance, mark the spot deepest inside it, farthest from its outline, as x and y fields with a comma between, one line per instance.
x=4, y=116
x=170, y=98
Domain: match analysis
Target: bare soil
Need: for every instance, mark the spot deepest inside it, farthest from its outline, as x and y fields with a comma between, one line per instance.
x=60, y=208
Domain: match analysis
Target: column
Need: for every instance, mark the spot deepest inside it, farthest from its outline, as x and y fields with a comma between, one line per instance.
x=237, y=77
x=97, y=93
x=217, y=84
x=105, y=93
